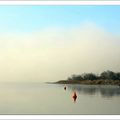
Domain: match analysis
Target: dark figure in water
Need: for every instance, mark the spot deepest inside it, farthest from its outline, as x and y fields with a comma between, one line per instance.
x=74, y=96
x=65, y=88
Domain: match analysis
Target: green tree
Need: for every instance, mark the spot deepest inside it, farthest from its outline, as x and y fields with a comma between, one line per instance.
x=108, y=75
x=90, y=76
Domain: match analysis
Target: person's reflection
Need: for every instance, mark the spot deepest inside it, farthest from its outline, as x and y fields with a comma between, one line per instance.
x=74, y=96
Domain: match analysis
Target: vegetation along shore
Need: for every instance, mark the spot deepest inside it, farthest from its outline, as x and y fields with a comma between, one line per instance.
x=105, y=78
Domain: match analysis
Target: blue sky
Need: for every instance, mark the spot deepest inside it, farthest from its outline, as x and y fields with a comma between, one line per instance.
x=33, y=18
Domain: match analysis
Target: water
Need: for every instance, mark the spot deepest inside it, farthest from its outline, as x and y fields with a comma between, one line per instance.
x=52, y=99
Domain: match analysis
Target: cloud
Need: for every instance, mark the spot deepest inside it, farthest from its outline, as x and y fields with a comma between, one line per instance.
x=56, y=53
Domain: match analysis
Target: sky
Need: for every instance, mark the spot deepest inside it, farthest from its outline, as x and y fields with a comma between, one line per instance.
x=35, y=18
x=50, y=43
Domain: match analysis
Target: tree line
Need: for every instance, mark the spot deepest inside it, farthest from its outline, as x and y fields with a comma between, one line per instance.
x=106, y=75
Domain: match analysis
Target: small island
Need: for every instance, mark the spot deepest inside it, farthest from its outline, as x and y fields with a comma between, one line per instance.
x=105, y=78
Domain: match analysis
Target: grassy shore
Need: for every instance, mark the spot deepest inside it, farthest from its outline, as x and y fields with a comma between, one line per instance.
x=89, y=82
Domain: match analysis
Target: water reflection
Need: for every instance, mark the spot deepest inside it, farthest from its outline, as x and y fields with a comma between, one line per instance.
x=104, y=91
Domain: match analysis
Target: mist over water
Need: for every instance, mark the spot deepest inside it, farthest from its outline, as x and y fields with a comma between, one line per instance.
x=56, y=53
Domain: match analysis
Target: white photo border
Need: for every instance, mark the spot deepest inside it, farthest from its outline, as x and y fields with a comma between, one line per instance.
x=60, y=117
x=22, y=2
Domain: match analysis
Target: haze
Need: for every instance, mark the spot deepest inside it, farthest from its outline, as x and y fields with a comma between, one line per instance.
x=50, y=43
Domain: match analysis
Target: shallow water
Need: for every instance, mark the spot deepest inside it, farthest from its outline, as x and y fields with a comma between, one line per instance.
x=37, y=98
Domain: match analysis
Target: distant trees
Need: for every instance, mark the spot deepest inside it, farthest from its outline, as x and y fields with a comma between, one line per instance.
x=90, y=76
x=75, y=77
x=106, y=75
x=110, y=75
x=118, y=75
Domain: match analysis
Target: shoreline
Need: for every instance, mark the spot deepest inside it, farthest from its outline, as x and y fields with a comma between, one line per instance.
x=89, y=82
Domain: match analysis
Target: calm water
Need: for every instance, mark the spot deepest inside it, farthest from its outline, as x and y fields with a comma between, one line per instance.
x=37, y=98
